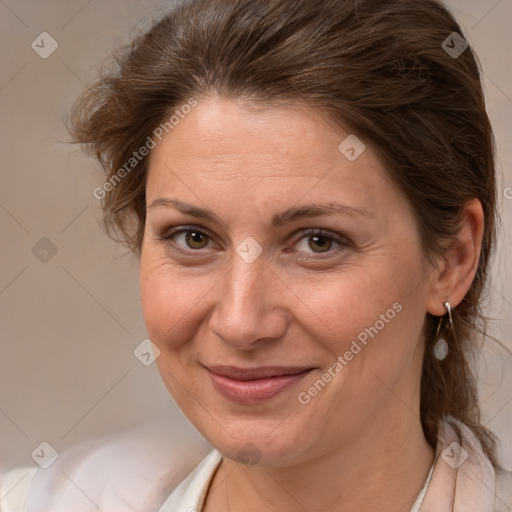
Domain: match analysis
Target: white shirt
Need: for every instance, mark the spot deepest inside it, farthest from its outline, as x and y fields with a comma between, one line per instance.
x=190, y=494
x=143, y=472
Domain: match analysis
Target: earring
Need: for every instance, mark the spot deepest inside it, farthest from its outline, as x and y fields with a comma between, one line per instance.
x=441, y=346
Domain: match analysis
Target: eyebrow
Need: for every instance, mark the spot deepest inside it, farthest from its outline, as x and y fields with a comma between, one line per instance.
x=278, y=220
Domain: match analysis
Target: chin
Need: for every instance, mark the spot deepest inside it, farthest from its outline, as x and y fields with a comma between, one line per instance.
x=254, y=442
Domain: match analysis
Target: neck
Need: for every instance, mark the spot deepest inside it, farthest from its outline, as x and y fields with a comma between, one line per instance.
x=384, y=469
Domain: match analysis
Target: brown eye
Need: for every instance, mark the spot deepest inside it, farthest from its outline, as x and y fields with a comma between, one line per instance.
x=196, y=239
x=187, y=239
x=323, y=242
x=318, y=241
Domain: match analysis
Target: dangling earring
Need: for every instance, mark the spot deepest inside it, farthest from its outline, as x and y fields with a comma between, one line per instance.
x=441, y=346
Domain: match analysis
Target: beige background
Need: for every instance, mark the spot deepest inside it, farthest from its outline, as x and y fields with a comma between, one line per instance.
x=69, y=326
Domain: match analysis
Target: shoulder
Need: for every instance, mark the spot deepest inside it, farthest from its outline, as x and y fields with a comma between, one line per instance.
x=133, y=470
x=14, y=489
x=503, y=501
x=190, y=493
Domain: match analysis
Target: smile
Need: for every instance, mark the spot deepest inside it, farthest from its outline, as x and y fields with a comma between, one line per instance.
x=254, y=385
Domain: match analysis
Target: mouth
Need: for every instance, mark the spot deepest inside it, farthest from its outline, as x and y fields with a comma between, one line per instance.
x=254, y=385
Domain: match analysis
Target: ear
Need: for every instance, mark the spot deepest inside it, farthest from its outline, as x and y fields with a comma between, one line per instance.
x=457, y=266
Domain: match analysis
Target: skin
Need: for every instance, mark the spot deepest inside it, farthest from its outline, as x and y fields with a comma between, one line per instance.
x=359, y=443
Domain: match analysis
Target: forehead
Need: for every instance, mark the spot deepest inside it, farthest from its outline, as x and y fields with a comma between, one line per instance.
x=225, y=147
x=219, y=131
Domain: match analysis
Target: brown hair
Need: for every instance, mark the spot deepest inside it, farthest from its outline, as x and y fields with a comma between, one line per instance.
x=378, y=67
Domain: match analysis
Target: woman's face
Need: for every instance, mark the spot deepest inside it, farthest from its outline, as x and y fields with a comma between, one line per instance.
x=282, y=281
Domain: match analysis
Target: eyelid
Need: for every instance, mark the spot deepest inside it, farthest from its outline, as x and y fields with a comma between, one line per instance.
x=338, y=237
x=168, y=235
x=342, y=241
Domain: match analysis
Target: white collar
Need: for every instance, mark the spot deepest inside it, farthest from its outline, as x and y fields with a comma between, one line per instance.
x=191, y=492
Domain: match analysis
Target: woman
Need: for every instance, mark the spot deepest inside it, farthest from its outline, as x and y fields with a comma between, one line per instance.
x=310, y=187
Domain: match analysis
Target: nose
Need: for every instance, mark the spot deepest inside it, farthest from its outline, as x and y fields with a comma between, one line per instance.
x=248, y=312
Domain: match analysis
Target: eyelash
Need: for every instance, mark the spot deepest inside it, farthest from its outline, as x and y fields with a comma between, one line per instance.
x=341, y=241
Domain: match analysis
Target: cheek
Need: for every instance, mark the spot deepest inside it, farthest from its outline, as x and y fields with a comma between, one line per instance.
x=377, y=307
x=348, y=302
x=169, y=299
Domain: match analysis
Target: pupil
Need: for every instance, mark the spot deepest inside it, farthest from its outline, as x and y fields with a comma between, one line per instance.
x=325, y=245
x=194, y=237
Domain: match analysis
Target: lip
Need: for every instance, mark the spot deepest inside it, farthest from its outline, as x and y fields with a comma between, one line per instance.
x=254, y=385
